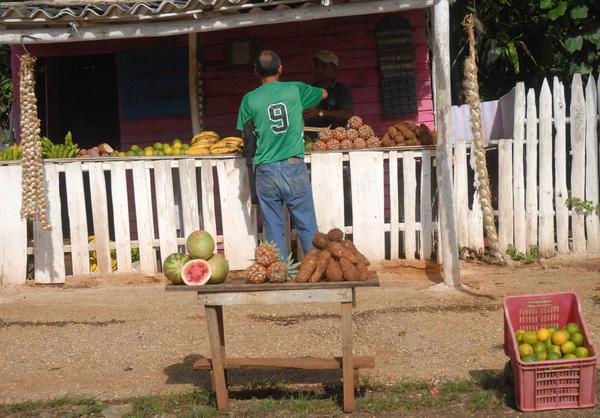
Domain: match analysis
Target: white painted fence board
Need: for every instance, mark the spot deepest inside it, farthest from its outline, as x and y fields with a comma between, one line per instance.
x=143, y=211
x=100, y=216
x=591, y=174
x=409, y=176
x=239, y=215
x=209, y=219
x=120, y=204
x=461, y=193
x=13, y=251
x=328, y=190
x=577, y=115
x=48, y=250
x=476, y=241
x=426, y=209
x=78, y=228
x=165, y=208
x=189, y=196
x=560, y=168
x=546, y=191
x=520, y=225
x=505, y=195
x=394, y=223
x=531, y=193
x=366, y=173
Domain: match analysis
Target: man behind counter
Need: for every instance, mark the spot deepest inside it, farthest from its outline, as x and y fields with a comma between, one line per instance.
x=338, y=107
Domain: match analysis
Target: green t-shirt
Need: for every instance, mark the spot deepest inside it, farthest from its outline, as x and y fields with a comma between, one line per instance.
x=276, y=110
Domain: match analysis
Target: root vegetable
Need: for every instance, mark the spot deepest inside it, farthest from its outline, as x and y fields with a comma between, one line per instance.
x=406, y=133
x=307, y=267
x=349, y=245
x=350, y=272
x=320, y=240
x=335, y=234
x=322, y=262
x=334, y=271
x=363, y=273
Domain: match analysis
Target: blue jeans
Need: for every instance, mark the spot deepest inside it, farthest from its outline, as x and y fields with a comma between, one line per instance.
x=286, y=182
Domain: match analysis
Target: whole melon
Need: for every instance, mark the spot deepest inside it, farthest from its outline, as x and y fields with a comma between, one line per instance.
x=196, y=272
x=220, y=268
x=200, y=244
x=172, y=267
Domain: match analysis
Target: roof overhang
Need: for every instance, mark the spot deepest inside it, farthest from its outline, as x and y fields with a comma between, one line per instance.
x=31, y=31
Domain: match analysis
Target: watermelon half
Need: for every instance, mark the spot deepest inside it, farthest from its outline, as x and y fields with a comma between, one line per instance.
x=196, y=272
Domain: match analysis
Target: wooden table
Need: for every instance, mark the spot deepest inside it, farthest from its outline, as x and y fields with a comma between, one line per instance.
x=214, y=297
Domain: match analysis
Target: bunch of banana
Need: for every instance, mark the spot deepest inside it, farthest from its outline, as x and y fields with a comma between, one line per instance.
x=11, y=153
x=52, y=150
x=94, y=259
x=202, y=142
x=227, y=145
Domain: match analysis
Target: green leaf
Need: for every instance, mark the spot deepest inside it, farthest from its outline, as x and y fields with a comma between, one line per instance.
x=579, y=12
x=574, y=44
x=558, y=11
x=513, y=56
x=594, y=38
x=546, y=4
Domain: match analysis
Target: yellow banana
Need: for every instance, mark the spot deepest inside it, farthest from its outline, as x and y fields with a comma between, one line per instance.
x=222, y=150
x=197, y=151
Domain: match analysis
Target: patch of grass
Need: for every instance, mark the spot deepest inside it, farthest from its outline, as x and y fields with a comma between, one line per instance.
x=484, y=399
x=295, y=405
x=596, y=300
x=516, y=255
x=33, y=408
x=197, y=403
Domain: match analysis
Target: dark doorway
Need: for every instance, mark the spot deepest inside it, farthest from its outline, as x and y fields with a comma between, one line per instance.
x=83, y=100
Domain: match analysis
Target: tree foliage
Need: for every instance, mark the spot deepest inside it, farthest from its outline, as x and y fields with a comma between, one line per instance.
x=527, y=40
x=5, y=93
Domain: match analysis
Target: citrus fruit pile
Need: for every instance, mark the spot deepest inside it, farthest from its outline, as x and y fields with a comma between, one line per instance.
x=551, y=343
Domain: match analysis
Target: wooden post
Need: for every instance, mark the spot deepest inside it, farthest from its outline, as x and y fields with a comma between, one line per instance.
x=560, y=167
x=518, y=173
x=214, y=318
x=347, y=361
x=546, y=190
x=577, y=115
x=193, y=82
x=443, y=101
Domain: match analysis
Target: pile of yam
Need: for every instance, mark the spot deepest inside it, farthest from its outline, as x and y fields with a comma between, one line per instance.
x=407, y=133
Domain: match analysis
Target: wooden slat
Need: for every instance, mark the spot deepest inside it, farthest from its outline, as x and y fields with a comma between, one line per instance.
x=306, y=363
x=505, y=195
x=328, y=190
x=520, y=225
x=78, y=228
x=100, y=216
x=531, y=195
x=560, y=168
x=48, y=252
x=546, y=192
x=239, y=215
x=410, y=200
x=209, y=220
x=476, y=225
x=217, y=349
x=591, y=165
x=426, y=209
x=189, y=196
x=461, y=192
x=13, y=251
x=347, y=354
x=118, y=185
x=277, y=297
x=577, y=115
x=366, y=173
x=165, y=208
x=394, y=223
x=143, y=211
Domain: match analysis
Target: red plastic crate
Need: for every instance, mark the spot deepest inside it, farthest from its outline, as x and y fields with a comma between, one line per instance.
x=552, y=384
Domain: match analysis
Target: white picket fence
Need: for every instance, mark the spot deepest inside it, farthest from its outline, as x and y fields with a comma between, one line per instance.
x=544, y=164
x=170, y=197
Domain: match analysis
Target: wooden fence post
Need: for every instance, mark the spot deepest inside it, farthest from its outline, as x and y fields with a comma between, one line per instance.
x=560, y=168
x=519, y=222
x=577, y=115
x=546, y=205
x=531, y=195
x=591, y=165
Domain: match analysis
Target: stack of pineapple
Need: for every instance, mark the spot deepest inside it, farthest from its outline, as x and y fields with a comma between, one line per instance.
x=355, y=135
x=270, y=267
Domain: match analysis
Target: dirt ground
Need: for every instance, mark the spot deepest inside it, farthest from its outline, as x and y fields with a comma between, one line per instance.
x=125, y=336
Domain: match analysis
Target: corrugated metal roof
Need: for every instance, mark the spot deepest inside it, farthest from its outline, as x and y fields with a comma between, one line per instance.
x=31, y=12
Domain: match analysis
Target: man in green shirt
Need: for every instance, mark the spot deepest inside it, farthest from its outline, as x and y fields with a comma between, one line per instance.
x=275, y=108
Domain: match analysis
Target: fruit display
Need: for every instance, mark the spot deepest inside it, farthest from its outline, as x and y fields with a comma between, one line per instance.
x=551, y=343
x=102, y=150
x=11, y=153
x=209, y=142
x=355, y=135
x=200, y=265
x=333, y=259
x=158, y=149
x=65, y=150
x=269, y=266
x=407, y=133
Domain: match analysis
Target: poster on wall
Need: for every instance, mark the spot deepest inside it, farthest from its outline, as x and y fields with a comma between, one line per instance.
x=153, y=83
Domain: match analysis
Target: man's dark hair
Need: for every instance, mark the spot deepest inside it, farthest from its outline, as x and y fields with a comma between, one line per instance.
x=267, y=63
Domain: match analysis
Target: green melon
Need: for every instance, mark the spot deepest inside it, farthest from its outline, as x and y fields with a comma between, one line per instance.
x=200, y=244
x=172, y=267
x=220, y=268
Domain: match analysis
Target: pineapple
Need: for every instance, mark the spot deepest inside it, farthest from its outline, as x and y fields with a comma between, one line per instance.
x=339, y=133
x=365, y=132
x=332, y=145
x=352, y=134
x=319, y=145
x=360, y=143
x=256, y=274
x=355, y=122
x=266, y=253
x=373, y=142
x=325, y=134
x=280, y=271
x=346, y=144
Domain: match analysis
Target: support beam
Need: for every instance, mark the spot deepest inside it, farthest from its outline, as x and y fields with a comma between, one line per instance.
x=201, y=24
x=193, y=82
x=443, y=102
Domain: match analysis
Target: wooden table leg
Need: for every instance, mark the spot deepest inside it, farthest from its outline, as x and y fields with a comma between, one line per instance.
x=216, y=337
x=347, y=361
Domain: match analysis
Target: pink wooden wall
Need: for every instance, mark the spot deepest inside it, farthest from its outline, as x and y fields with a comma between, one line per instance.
x=353, y=39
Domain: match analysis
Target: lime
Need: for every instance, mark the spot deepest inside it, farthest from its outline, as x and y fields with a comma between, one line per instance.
x=554, y=356
x=581, y=352
x=540, y=347
x=543, y=334
x=529, y=357
x=135, y=148
x=168, y=150
x=530, y=337
x=555, y=349
x=525, y=349
x=567, y=333
x=577, y=339
x=568, y=348
x=541, y=356
x=159, y=153
x=148, y=153
x=548, y=342
x=177, y=141
x=552, y=330
x=572, y=327
x=519, y=335
x=158, y=146
x=177, y=145
x=570, y=356
x=176, y=151
x=560, y=337
x=131, y=153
